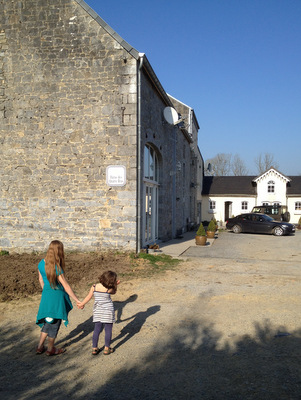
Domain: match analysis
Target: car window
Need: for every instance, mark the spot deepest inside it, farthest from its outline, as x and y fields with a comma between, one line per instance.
x=275, y=211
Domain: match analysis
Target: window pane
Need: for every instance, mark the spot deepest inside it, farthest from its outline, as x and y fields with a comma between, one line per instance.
x=151, y=164
x=146, y=162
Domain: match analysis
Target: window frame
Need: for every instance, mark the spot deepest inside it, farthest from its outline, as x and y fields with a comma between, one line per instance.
x=244, y=205
x=298, y=206
x=212, y=206
x=271, y=187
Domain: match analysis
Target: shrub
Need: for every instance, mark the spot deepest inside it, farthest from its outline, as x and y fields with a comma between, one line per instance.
x=212, y=226
x=201, y=231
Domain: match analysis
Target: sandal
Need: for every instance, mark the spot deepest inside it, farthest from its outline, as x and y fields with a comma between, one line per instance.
x=108, y=351
x=40, y=350
x=95, y=351
x=55, y=351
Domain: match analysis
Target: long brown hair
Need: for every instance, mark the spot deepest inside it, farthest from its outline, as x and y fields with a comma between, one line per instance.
x=55, y=257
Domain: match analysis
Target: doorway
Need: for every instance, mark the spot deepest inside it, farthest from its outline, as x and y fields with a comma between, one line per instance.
x=228, y=210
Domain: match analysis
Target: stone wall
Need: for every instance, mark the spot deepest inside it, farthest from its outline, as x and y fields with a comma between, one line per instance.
x=68, y=109
x=175, y=160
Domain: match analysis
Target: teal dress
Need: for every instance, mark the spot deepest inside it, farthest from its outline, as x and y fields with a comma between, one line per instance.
x=55, y=303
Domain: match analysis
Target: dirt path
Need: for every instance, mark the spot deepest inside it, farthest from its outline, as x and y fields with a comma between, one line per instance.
x=224, y=325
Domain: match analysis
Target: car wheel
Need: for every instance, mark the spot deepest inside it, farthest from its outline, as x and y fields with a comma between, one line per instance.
x=236, y=229
x=278, y=231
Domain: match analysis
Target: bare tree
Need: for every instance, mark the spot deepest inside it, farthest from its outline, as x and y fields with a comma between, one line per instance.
x=220, y=165
x=238, y=166
x=264, y=162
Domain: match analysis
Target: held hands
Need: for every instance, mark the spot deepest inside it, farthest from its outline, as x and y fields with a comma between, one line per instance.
x=80, y=305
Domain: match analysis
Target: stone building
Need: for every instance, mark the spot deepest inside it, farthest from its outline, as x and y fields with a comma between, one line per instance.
x=87, y=156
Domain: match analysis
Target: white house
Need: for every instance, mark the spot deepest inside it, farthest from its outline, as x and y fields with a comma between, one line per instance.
x=225, y=196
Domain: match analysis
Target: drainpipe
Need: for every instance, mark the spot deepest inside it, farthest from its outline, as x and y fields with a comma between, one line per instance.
x=138, y=232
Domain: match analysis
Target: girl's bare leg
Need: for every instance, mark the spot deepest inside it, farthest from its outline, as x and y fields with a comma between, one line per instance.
x=50, y=344
x=43, y=337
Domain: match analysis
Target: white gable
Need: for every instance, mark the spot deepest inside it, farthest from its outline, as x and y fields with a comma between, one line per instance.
x=271, y=187
x=269, y=173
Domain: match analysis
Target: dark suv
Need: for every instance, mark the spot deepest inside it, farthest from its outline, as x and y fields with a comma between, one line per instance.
x=279, y=213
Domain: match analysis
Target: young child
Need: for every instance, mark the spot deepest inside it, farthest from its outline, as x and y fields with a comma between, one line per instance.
x=55, y=302
x=103, y=309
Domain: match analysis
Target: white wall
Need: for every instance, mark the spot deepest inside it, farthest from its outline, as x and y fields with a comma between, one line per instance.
x=279, y=196
x=219, y=213
x=295, y=214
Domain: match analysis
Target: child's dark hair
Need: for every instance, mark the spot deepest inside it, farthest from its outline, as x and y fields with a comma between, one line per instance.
x=109, y=280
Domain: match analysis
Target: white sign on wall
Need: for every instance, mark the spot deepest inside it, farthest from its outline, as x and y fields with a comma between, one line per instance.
x=116, y=175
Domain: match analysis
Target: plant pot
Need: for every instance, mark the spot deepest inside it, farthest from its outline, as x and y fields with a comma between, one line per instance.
x=201, y=240
x=210, y=234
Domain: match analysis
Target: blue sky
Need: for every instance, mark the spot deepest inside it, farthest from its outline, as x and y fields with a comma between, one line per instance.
x=237, y=63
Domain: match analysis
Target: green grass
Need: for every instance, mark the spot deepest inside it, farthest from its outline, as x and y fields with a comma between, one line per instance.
x=160, y=261
x=154, y=264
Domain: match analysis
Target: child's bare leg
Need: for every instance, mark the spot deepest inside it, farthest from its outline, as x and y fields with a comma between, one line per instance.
x=50, y=343
x=43, y=337
x=41, y=348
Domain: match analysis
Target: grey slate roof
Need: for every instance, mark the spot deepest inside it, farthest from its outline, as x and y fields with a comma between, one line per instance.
x=294, y=186
x=229, y=185
x=242, y=185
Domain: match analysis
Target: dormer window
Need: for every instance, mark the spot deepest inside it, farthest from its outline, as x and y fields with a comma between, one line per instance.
x=271, y=187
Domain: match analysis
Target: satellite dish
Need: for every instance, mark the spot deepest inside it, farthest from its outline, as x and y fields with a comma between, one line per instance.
x=170, y=115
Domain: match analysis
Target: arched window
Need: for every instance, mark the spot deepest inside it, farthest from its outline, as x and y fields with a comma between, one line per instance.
x=151, y=193
x=271, y=187
x=150, y=164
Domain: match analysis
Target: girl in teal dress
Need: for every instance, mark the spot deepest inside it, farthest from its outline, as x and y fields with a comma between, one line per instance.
x=55, y=302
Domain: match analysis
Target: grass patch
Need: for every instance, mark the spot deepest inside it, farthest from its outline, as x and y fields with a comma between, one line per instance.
x=146, y=265
x=160, y=261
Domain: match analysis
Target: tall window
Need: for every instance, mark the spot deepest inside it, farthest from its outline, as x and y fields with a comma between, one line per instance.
x=212, y=205
x=150, y=164
x=244, y=205
x=271, y=187
x=151, y=189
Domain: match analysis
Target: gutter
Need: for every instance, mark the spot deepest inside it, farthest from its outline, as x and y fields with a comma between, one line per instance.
x=138, y=232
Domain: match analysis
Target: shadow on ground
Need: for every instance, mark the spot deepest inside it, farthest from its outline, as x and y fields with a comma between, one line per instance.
x=190, y=364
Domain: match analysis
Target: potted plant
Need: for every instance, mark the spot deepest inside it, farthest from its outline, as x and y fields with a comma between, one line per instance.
x=200, y=236
x=216, y=223
x=211, y=229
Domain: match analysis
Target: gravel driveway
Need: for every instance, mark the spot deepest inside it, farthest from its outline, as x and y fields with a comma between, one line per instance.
x=224, y=325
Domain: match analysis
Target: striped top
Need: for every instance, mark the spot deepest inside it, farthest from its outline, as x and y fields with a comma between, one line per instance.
x=103, y=309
